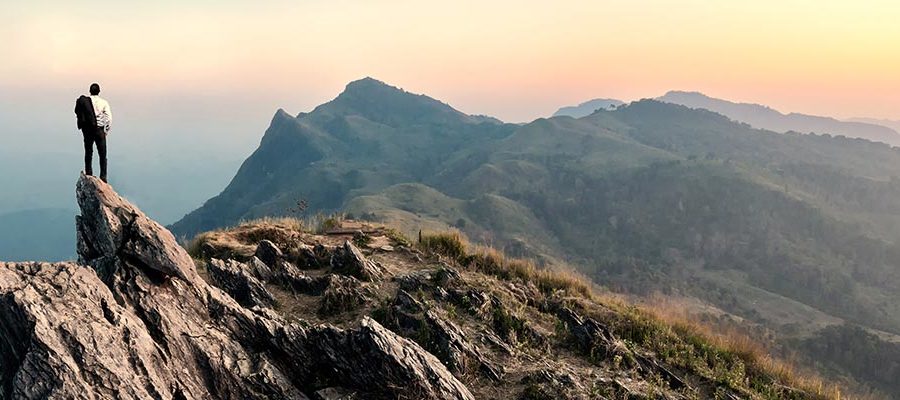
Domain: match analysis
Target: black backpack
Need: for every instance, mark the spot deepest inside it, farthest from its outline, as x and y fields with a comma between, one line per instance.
x=84, y=112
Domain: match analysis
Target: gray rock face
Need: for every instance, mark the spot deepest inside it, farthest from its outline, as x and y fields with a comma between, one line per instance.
x=231, y=276
x=349, y=260
x=63, y=336
x=588, y=333
x=447, y=341
x=111, y=228
x=373, y=346
x=134, y=320
x=268, y=252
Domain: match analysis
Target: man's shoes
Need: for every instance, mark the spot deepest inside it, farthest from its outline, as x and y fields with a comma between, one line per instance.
x=103, y=178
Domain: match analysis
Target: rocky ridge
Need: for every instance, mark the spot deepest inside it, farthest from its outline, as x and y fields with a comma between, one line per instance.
x=134, y=320
x=269, y=310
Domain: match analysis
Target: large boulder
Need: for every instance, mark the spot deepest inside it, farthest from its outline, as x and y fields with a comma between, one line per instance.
x=134, y=320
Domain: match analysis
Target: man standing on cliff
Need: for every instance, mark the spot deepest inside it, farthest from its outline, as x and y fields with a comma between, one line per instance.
x=94, y=120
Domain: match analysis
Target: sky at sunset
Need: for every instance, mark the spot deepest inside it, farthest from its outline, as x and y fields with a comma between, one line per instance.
x=194, y=84
x=517, y=60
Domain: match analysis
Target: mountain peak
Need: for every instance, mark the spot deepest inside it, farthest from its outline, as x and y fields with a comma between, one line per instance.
x=367, y=82
x=370, y=88
x=281, y=116
x=381, y=102
x=588, y=107
x=691, y=93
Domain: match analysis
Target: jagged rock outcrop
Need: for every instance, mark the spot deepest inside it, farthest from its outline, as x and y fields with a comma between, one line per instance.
x=349, y=260
x=309, y=257
x=445, y=339
x=63, y=335
x=134, y=320
x=232, y=277
x=594, y=337
x=588, y=333
x=268, y=252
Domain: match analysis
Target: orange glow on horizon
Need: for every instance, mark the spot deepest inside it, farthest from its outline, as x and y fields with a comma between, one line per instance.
x=516, y=60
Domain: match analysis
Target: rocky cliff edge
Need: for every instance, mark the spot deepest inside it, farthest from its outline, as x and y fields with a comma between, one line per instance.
x=134, y=320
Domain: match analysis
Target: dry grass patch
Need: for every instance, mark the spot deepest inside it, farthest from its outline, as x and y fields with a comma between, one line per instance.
x=489, y=261
x=754, y=355
x=450, y=244
x=728, y=358
x=240, y=241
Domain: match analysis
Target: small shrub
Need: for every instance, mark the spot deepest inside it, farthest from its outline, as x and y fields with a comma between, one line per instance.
x=361, y=239
x=424, y=335
x=397, y=237
x=383, y=313
x=329, y=224
x=509, y=327
x=452, y=313
x=195, y=245
x=341, y=297
x=324, y=222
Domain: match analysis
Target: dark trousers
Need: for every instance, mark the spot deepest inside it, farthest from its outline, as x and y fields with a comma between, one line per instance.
x=92, y=136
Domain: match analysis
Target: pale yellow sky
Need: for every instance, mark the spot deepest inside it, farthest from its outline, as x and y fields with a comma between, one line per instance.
x=517, y=60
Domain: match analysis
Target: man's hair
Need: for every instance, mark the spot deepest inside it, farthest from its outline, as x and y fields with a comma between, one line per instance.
x=95, y=89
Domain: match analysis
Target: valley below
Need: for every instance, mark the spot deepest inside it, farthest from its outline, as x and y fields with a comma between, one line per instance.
x=790, y=234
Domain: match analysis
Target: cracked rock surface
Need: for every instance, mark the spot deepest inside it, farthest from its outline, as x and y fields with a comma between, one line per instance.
x=134, y=320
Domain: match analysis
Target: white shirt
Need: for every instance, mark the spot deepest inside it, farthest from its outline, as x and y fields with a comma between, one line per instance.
x=102, y=111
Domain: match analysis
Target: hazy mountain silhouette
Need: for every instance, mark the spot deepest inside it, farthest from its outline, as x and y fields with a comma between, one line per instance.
x=763, y=117
x=792, y=232
x=370, y=137
x=38, y=175
x=41, y=234
x=893, y=124
x=587, y=108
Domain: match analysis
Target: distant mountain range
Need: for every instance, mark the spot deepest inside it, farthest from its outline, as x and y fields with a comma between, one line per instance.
x=763, y=117
x=893, y=124
x=789, y=233
x=588, y=108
